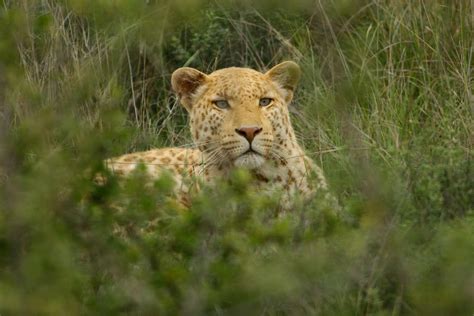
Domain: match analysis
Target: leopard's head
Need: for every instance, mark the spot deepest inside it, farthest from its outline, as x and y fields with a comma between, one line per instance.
x=239, y=115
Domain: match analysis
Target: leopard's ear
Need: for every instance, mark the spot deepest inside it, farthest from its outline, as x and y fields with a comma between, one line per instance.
x=286, y=75
x=185, y=82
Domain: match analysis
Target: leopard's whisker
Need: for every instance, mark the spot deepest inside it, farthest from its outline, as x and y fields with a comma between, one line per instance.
x=211, y=155
x=212, y=160
x=195, y=144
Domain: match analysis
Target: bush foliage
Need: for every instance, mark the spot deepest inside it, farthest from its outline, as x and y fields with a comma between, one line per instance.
x=385, y=107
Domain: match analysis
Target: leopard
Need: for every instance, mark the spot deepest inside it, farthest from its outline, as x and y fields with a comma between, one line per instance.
x=239, y=119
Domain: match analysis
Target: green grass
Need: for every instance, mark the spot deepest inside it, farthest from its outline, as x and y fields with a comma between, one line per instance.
x=384, y=106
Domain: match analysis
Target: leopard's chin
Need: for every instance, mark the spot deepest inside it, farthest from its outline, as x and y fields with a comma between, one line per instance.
x=250, y=160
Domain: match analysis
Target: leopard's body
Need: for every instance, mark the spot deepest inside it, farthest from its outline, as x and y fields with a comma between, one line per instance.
x=238, y=119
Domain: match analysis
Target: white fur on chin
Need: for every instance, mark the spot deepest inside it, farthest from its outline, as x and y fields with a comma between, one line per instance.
x=249, y=161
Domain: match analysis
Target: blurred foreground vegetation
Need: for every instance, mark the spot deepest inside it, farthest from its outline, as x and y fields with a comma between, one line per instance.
x=385, y=107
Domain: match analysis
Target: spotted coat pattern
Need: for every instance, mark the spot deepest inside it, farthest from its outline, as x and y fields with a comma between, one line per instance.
x=239, y=119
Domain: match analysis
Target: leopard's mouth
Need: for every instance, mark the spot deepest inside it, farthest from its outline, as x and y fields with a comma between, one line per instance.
x=250, y=159
x=251, y=151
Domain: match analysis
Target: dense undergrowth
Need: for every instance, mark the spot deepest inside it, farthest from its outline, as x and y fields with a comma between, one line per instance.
x=385, y=107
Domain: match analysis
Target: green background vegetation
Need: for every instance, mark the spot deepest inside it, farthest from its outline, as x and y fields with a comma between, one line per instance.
x=384, y=106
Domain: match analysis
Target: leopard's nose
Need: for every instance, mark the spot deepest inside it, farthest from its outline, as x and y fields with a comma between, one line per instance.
x=249, y=132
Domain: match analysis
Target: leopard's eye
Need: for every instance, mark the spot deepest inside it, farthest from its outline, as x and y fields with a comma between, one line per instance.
x=265, y=102
x=221, y=104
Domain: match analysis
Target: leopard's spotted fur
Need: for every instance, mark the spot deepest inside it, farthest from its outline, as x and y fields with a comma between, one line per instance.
x=227, y=118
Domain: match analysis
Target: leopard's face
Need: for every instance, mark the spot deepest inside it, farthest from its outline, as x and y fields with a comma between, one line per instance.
x=239, y=115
